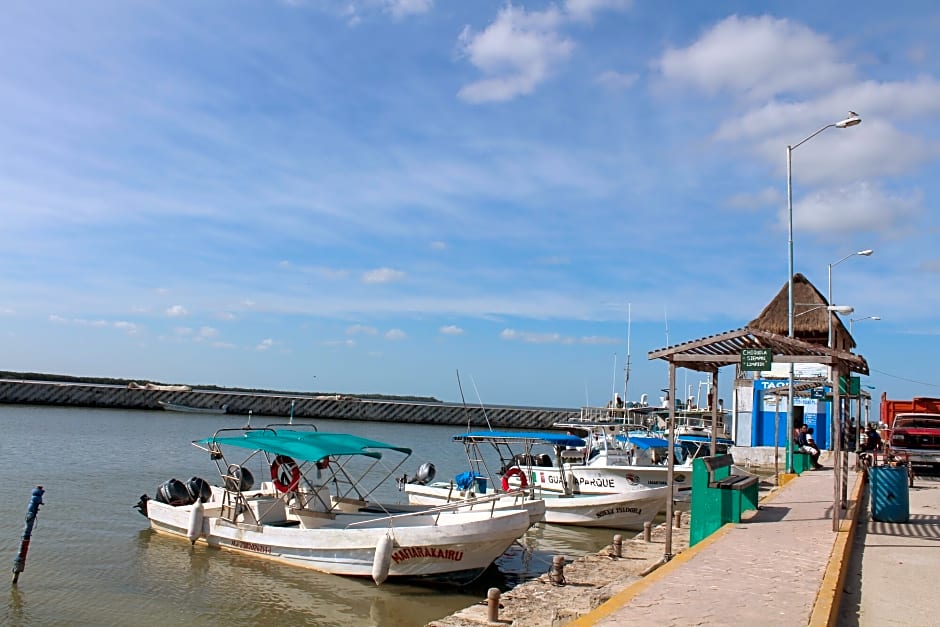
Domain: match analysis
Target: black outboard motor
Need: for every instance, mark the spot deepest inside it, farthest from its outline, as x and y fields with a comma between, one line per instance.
x=425, y=474
x=239, y=478
x=198, y=488
x=173, y=492
x=142, y=504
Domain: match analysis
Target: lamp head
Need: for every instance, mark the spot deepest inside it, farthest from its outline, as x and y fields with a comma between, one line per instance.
x=841, y=309
x=852, y=120
x=865, y=253
x=876, y=317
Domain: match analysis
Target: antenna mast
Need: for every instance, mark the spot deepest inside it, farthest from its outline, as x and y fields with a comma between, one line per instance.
x=626, y=370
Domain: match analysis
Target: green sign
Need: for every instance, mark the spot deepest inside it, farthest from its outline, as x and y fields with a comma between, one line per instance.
x=854, y=386
x=756, y=359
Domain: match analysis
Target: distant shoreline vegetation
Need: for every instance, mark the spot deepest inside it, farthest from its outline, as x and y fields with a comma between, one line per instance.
x=61, y=378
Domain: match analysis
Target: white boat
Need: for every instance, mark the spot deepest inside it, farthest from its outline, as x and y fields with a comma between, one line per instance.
x=192, y=410
x=313, y=514
x=528, y=472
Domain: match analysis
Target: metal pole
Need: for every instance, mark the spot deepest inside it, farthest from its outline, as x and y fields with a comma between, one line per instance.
x=790, y=308
x=670, y=456
x=835, y=435
x=714, y=403
x=829, y=302
x=19, y=562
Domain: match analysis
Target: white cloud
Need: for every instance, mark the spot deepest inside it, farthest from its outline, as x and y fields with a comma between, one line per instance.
x=757, y=57
x=438, y=245
x=860, y=207
x=128, y=327
x=208, y=332
x=361, y=328
x=532, y=338
x=177, y=311
x=769, y=196
x=225, y=315
x=515, y=53
x=403, y=8
x=348, y=342
x=395, y=334
x=382, y=275
x=7, y=311
x=183, y=331
x=616, y=80
x=584, y=10
x=452, y=330
x=265, y=344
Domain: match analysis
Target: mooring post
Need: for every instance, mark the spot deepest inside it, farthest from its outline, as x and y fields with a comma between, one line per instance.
x=618, y=545
x=492, y=605
x=647, y=531
x=557, y=574
x=678, y=517
x=19, y=562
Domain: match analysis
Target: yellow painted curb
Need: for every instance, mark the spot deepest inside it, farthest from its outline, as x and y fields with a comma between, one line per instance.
x=623, y=597
x=826, y=608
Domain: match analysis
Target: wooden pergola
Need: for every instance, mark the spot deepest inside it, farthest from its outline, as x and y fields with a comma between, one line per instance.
x=710, y=354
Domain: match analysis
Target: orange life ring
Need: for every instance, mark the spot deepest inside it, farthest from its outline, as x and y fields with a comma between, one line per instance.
x=285, y=473
x=515, y=471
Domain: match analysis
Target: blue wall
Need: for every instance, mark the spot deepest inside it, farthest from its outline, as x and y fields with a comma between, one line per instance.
x=815, y=415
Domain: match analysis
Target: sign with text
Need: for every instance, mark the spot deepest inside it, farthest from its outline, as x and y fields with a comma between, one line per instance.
x=756, y=359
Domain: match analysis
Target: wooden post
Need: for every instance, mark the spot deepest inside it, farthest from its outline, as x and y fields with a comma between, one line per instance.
x=492, y=605
x=647, y=531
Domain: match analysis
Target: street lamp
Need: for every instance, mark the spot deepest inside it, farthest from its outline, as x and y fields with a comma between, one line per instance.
x=852, y=321
x=852, y=120
x=864, y=253
x=839, y=309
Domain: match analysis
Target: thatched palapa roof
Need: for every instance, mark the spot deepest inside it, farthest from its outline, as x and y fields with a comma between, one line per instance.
x=811, y=326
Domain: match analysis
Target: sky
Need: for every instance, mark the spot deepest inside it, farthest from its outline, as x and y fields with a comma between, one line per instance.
x=500, y=202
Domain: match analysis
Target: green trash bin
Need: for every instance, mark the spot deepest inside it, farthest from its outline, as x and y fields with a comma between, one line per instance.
x=890, y=498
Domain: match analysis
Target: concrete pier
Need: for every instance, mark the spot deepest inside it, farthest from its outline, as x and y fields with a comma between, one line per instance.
x=279, y=404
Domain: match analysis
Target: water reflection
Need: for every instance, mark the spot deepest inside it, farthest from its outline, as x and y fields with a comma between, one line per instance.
x=211, y=582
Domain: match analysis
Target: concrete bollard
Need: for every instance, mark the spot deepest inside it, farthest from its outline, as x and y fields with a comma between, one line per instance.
x=557, y=574
x=492, y=605
x=618, y=545
x=647, y=532
x=677, y=516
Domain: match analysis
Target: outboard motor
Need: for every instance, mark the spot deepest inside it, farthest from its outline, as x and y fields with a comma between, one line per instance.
x=239, y=478
x=173, y=492
x=198, y=488
x=425, y=474
x=142, y=504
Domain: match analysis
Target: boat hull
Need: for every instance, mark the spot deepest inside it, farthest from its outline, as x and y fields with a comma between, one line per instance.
x=448, y=546
x=616, y=511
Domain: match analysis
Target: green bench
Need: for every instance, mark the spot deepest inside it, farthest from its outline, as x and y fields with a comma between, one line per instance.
x=718, y=496
x=801, y=462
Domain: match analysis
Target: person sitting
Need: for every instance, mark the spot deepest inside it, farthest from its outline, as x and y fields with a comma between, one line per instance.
x=872, y=439
x=808, y=445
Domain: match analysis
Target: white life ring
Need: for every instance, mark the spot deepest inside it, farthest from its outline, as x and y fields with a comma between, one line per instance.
x=285, y=473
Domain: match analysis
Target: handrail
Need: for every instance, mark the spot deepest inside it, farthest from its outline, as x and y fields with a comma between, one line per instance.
x=453, y=505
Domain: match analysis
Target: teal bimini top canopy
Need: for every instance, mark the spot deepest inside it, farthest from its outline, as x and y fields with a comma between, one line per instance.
x=306, y=445
x=555, y=439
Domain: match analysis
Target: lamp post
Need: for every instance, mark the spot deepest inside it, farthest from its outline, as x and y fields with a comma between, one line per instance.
x=852, y=321
x=864, y=253
x=852, y=120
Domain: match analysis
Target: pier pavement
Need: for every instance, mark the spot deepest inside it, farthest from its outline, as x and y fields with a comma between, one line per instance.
x=785, y=566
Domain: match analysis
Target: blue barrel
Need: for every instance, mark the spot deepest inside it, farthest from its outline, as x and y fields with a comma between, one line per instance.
x=890, y=499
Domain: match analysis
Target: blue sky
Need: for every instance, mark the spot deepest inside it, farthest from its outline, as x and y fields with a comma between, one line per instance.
x=369, y=196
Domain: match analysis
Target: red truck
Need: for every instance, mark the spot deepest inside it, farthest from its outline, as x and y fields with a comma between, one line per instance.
x=913, y=428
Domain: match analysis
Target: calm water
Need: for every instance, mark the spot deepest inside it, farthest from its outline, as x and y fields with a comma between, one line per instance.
x=93, y=560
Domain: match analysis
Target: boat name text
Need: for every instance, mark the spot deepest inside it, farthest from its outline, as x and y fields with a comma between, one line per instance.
x=251, y=546
x=416, y=552
x=618, y=510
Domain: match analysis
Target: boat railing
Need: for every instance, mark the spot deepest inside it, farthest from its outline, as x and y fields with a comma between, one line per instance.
x=490, y=499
